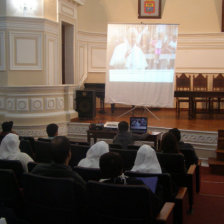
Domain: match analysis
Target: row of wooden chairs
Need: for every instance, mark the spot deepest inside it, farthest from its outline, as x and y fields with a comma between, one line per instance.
x=199, y=83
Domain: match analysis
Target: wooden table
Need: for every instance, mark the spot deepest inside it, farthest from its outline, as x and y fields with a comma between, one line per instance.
x=193, y=94
x=110, y=134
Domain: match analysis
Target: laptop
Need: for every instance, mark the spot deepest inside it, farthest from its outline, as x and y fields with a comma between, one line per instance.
x=150, y=182
x=138, y=125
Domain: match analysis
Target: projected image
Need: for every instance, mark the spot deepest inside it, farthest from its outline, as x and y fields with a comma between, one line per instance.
x=141, y=50
x=140, y=64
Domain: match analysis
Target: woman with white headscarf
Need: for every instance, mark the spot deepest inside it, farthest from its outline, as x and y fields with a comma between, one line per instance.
x=93, y=155
x=146, y=161
x=10, y=150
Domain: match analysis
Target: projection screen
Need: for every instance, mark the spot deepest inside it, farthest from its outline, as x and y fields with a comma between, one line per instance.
x=140, y=64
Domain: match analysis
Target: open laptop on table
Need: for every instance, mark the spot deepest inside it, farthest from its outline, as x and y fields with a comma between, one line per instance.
x=138, y=125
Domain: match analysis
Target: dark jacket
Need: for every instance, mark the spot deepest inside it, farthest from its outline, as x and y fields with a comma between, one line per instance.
x=127, y=138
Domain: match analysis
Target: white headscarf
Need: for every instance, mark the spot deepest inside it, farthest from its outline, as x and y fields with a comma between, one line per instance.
x=10, y=150
x=146, y=161
x=93, y=155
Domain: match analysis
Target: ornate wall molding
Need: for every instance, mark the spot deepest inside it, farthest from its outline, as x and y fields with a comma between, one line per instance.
x=38, y=131
x=96, y=58
x=2, y=51
x=37, y=104
x=30, y=24
x=52, y=69
x=25, y=50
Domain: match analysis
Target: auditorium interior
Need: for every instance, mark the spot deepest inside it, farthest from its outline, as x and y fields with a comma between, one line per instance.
x=53, y=67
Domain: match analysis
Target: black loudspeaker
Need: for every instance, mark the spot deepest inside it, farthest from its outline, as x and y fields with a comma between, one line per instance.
x=86, y=103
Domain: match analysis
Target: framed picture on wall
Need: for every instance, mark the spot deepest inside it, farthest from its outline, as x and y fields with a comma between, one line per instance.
x=149, y=9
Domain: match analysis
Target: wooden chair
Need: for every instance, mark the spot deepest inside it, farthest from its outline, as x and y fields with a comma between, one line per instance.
x=218, y=85
x=183, y=83
x=124, y=204
x=200, y=83
x=165, y=182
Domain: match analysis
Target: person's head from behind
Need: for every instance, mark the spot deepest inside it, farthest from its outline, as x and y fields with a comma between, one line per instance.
x=52, y=130
x=7, y=126
x=10, y=145
x=169, y=143
x=123, y=126
x=111, y=165
x=97, y=150
x=145, y=154
x=61, y=150
x=176, y=133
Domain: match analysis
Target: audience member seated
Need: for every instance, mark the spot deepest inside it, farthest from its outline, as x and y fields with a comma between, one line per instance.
x=93, y=155
x=6, y=129
x=52, y=130
x=125, y=138
x=192, y=157
x=61, y=155
x=111, y=166
x=9, y=150
x=171, y=160
x=169, y=143
x=146, y=161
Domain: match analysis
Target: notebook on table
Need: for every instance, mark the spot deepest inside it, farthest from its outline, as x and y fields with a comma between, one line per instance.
x=138, y=125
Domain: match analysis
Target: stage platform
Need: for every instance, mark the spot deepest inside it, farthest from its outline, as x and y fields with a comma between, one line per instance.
x=201, y=131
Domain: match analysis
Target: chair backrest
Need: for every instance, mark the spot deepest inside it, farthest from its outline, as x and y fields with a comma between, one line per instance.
x=165, y=186
x=44, y=139
x=115, y=146
x=189, y=157
x=118, y=146
x=49, y=199
x=25, y=146
x=218, y=83
x=10, y=194
x=119, y=204
x=200, y=82
x=79, y=143
x=31, y=165
x=128, y=156
x=30, y=139
x=174, y=164
x=183, y=82
x=78, y=153
x=43, y=152
x=14, y=165
x=88, y=173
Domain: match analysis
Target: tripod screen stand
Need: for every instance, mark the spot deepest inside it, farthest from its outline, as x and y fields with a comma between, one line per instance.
x=134, y=107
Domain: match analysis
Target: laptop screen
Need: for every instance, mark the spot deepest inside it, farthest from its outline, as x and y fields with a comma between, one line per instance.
x=138, y=124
